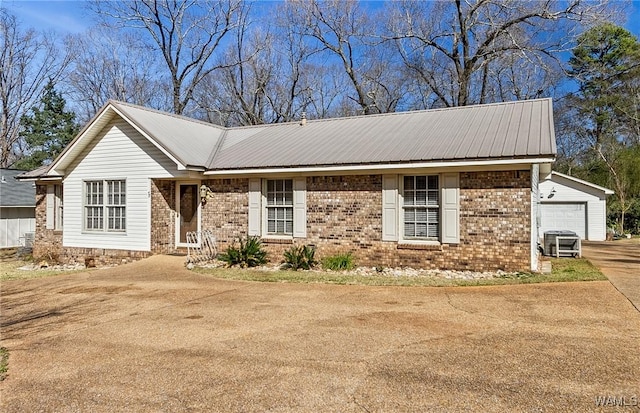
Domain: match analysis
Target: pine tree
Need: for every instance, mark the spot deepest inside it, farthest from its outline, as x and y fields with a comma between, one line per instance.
x=46, y=129
x=606, y=66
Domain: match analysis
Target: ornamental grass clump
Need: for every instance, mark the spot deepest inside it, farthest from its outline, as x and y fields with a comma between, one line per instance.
x=340, y=262
x=249, y=254
x=299, y=258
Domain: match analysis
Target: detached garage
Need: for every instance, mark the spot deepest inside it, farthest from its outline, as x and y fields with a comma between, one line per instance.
x=568, y=203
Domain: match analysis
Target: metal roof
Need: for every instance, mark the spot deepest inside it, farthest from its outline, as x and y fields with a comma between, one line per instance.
x=14, y=193
x=511, y=130
x=189, y=140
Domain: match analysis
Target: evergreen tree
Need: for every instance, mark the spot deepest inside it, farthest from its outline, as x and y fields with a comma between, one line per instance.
x=46, y=129
x=606, y=66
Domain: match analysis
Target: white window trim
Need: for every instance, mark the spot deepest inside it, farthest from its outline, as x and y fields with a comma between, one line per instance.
x=258, y=211
x=417, y=241
x=265, y=207
x=105, y=218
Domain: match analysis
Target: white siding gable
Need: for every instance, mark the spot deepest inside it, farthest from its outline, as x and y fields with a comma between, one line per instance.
x=118, y=152
x=566, y=191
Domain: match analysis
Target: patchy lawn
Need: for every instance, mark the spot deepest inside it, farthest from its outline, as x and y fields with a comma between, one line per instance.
x=563, y=270
x=10, y=270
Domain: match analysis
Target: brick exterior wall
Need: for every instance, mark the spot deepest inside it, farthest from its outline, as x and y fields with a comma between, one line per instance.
x=226, y=211
x=163, y=223
x=344, y=213
x=47, y=243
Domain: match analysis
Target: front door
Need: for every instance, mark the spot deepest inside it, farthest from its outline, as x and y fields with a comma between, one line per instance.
x=188, y=219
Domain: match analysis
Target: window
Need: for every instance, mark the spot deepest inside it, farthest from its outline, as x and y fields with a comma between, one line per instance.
x=279, y=206
x=421, y=207
x=105, y=203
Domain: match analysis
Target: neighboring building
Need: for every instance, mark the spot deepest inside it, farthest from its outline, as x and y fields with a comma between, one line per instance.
x=568, y=203
x=449, y=188
x=17, y=209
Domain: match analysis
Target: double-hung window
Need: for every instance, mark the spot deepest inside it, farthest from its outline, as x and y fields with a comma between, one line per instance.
x=105, y=206
x=279, y=206
x=421, y=207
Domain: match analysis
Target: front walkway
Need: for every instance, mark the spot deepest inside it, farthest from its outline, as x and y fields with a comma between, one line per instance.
x=620, y=262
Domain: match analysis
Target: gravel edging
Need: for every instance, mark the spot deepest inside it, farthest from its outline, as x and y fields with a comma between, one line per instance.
x=386, y=272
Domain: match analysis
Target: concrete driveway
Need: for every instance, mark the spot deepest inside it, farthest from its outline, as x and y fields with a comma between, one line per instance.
x=620, y=262
x=151, y=336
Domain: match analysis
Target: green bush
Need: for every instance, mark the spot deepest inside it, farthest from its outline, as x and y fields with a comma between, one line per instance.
x=248, y=254
x=302, y=257
x=340, y=262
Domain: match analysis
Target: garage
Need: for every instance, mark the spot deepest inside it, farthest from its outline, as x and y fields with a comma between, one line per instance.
x=564, y=216
x=571, y=204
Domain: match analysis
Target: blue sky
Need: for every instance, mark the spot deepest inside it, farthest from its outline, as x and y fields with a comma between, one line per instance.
x=66, y=16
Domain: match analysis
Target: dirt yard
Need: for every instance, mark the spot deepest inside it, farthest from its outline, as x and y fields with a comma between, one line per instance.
x=152, y=336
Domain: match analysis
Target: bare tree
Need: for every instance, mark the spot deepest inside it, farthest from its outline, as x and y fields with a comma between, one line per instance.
x=344, y=33
x=117, y=67
x=461, y=50
x=28, y=60
x=186, y=32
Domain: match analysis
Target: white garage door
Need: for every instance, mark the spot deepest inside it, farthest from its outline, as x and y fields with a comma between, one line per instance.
x=569, y=217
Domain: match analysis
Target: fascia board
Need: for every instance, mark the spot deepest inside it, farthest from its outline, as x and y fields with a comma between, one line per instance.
x=607, y=191
x=368, y=168
x=62, y=160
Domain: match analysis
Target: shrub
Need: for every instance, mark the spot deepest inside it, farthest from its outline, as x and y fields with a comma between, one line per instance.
x=248, y=254
x=302, y=257
x=340, y=262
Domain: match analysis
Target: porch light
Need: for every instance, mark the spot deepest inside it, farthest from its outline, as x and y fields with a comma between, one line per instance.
x=205, y=194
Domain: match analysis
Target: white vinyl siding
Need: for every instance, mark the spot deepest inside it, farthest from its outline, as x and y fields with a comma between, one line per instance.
x=15, y=222
x=119, y=153
x=535, y=214
x=584, y=206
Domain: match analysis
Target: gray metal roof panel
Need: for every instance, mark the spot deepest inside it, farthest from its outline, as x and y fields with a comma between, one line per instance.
x=189, y=140
x=501, y=130
x=15, y=193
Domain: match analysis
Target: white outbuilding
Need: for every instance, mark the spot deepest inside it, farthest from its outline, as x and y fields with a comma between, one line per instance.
x=17, y=209
x=571, y=204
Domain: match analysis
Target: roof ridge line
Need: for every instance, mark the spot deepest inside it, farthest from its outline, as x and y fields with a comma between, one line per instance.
x=406, y=112
x=169, y=114
x=217, y=149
